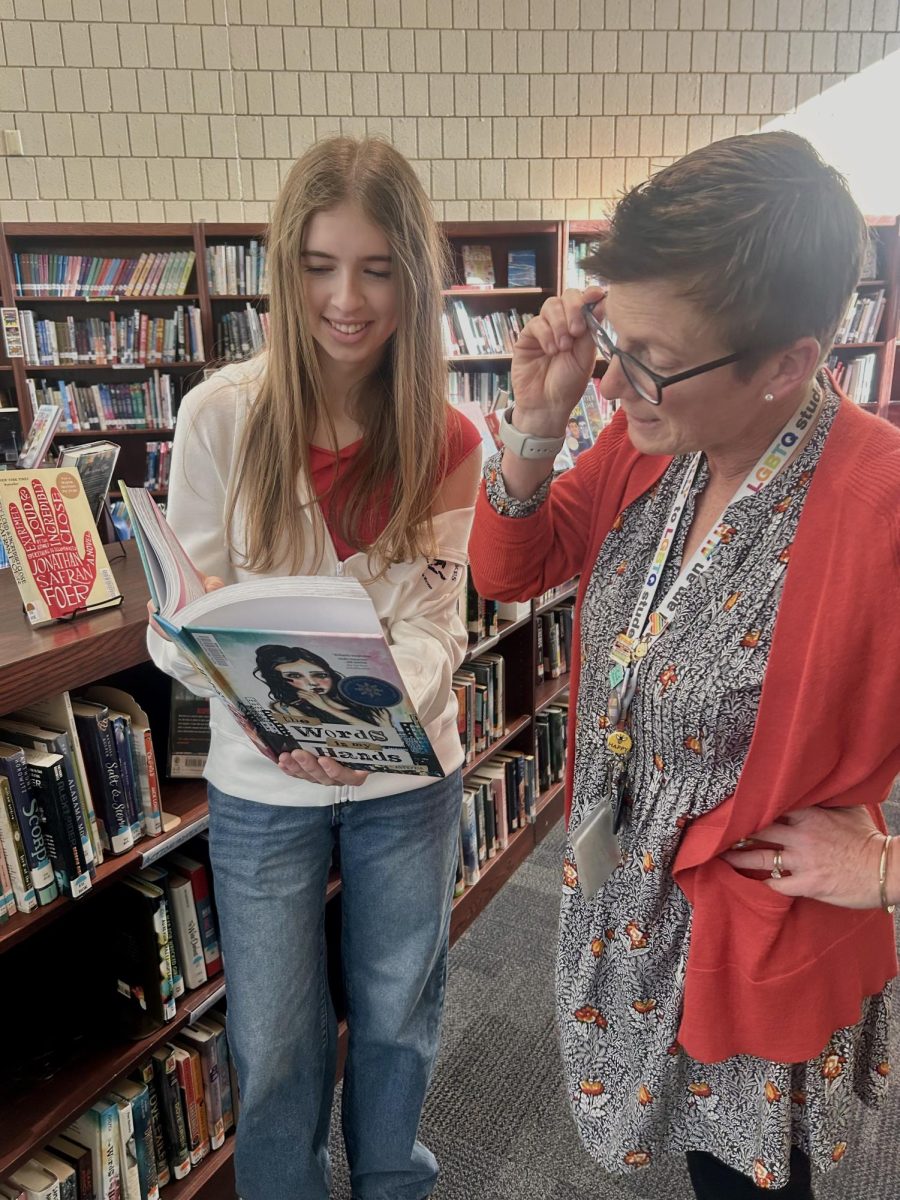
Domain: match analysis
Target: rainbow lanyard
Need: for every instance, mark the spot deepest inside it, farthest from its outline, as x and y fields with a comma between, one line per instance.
x=648, y=623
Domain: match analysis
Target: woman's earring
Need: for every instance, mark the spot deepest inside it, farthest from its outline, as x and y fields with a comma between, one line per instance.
x=768, y=397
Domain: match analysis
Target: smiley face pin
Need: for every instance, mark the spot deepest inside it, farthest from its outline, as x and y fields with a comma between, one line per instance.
x=619, y=742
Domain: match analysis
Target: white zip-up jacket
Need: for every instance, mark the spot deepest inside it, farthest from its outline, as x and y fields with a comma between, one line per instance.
x=417, y=601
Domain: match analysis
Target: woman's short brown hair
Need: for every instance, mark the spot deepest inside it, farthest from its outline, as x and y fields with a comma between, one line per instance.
x=763, y=235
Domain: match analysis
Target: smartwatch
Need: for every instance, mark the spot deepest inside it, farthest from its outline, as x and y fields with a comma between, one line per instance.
x=523, y=445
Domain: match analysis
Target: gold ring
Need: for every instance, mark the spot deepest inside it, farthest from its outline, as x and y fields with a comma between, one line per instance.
x=777, y=866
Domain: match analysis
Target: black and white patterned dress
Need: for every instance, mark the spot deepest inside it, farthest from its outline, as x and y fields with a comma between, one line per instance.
x=636, y=1095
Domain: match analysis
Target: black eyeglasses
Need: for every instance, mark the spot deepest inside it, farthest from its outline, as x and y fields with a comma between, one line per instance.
x=648, y=384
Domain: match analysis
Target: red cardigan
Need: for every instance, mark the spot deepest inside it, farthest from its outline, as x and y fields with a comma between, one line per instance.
x=767, y=975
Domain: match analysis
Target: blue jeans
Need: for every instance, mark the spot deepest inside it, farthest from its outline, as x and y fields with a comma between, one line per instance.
x=270, y=868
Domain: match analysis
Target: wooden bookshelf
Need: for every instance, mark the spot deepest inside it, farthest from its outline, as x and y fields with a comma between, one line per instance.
x=104, y=240
x=549, y=691
x=41, y=662
x=544, y=240
x=185, y=800
x=32, y=1117
x=885, y=400
x=69, y=655
x=549, y=240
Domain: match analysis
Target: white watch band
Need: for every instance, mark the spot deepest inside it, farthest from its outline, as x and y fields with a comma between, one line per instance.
x=523, y=445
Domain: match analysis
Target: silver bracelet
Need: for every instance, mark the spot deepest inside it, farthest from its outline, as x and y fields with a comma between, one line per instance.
x=882, y=873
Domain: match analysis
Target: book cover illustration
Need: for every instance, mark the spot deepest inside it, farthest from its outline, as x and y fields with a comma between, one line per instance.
x=579, y=435
x=40, y=435
x=10, y=436
x=336, y=695
x=478, y=266
x=95, y=464
x=521, y=266
x=12, y=333
x=55, y=552
x=189, y=734
x=301, y=662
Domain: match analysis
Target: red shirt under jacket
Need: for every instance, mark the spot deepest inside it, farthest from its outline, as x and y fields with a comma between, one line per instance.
x=462, y=438
x=767, y=975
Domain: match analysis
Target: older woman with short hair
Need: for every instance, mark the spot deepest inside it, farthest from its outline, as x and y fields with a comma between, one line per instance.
x=737, y=533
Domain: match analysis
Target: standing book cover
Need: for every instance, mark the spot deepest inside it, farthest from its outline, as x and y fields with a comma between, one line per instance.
x=95, y=462
x=55, y=552
x=478, y=266
x=300, y=662
x=521, y=268
x=40, y=435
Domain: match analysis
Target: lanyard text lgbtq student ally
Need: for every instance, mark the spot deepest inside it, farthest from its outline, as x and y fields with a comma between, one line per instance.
x=648, y=622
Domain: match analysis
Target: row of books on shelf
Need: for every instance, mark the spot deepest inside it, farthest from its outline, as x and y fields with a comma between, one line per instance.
x=500, y=797
x=554, y=641
x=579, y=248
x=478, y=387
x=560, y=592
x=140, y=404
x=478, y=266
x=78, y=781
x=489, y=333
x=127, y=340
x=242, y=333
x=159, y=458
x=480, y=688
x=236, y=269
x=550, y=737
x=162, y=273
x=855, y=376
x=482, y=616
x=149, y=1129
x=162, y=941
x=862, y=319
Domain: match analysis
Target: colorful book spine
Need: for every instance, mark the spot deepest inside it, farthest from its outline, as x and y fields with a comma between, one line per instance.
x=144, y=1074
x=165, y=1073
x=98, y=744
x=30, y=822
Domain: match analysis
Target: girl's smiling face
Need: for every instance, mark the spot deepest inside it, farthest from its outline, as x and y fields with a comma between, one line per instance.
x=349, y=285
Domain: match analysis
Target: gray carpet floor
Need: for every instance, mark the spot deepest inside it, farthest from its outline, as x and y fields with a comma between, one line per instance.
x=497, y=1117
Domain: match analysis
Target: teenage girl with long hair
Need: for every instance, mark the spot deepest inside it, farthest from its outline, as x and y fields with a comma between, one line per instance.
x=336, y=450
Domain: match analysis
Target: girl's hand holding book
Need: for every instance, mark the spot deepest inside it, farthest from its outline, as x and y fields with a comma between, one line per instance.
x=303, y=765
x=210, y=584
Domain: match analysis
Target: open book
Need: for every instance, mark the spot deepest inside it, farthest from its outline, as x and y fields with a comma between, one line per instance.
x=301, y=662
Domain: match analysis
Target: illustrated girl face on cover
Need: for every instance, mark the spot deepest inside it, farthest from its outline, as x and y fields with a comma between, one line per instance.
x=305, y=677
x=350, y=288
x=292, y=673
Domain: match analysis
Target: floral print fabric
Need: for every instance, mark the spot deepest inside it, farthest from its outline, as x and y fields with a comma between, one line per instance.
x=635, y=1093
x=620, y=973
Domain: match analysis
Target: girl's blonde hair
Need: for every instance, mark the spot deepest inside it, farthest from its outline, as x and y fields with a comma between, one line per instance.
x=402, y=407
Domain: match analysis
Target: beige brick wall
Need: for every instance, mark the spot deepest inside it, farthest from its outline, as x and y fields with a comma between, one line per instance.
x=176, y=110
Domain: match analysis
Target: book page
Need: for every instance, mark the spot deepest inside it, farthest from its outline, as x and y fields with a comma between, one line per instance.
x=173, y=579
x=298, y=604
